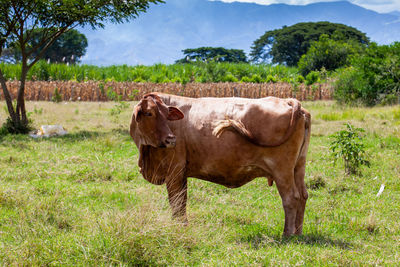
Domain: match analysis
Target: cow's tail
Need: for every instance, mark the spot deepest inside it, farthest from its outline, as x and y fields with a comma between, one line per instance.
x=232, y=125
x=304, y=148
x=237, y=126
x=307, y=131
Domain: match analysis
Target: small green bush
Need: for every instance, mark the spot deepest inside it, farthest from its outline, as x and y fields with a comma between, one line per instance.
x=315, y=183
x=271, y=78
x=118, y=108
x=349, y=146
x=245, y=79
x=38, y=111
x=229, y=78
x=300, y=79
x=9, y=127
x=57, y=97
x=112, y=95
x=312, y=77
x=256, y=78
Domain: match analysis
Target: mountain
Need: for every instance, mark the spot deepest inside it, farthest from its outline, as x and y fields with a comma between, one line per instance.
x=160, y=34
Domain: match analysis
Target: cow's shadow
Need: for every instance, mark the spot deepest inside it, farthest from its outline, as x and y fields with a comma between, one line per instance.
x=265, y=238
x=68, y=138
x=85, y=135
x=316, y=239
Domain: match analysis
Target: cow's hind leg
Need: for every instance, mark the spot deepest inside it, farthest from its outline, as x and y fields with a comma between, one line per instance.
x=290, y=201
x=299, y=173
x=299, y=180
x=177, y=196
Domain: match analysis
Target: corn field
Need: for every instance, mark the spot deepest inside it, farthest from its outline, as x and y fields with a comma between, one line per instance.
x=124, y=91
x=200, y=72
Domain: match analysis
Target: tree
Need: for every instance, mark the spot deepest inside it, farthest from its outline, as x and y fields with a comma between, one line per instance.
x=288, y=44
x=68, y=48
x=218, y=54
x=20, y=18
x=327, y=53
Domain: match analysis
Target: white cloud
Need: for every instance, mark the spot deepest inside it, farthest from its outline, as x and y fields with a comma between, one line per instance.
x=382, y=6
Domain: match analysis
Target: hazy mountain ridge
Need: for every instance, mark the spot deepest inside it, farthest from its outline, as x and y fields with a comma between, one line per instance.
x=161, y=34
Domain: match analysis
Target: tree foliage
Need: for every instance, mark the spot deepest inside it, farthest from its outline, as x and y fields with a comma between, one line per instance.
x=373, y=78
x=20, y=19
x=328, y=54
x=218, y=54
x=68, y=48
x=288, y=44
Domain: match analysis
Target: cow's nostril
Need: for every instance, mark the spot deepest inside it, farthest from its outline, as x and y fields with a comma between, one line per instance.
x=170, y=140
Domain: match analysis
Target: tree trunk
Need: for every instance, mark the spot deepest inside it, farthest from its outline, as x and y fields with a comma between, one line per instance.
x=8, y=99
x=17, y=114
x=21, y=111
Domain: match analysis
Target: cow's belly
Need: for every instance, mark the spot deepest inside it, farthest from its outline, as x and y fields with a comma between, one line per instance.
x=235, y=177
x=231, y=167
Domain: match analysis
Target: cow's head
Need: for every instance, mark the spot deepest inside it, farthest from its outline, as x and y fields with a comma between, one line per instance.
x=149, y=122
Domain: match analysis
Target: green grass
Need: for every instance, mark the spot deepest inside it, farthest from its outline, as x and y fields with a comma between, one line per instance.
x=80, y=200
x=158, y=73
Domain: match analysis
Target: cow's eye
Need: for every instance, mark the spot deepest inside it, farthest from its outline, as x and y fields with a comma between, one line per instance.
x=147, y=114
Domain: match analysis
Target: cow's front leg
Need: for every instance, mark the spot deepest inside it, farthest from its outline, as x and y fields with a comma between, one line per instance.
x=177, y=196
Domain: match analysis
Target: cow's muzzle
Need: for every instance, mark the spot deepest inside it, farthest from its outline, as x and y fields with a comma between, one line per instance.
x=170, y=141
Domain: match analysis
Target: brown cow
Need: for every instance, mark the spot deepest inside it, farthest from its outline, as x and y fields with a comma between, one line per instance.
x=229, y=141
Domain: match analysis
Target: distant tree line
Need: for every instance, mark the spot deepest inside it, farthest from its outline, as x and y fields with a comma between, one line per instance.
x=218, y=54
x=311, y=46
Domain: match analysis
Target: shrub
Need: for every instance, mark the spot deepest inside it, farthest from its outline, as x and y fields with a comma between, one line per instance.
x=314, y=183
x=19, y=128
x=327, y=53
x=229, y=78
x=57, y=97
x=271, y=78
x=118, y=108
x=245, y=79
x=348, y=145
x=300, y=79
x=112, y=95
x=373, y=79
x=256, y=78
x=312, y=77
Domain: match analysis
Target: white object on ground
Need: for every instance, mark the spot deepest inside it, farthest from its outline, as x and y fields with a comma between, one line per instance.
x=48, y=131
x=380, y=190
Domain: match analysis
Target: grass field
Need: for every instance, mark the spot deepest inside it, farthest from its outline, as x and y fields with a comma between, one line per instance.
x=80, y=199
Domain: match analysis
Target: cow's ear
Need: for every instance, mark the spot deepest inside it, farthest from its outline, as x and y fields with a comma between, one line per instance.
x=137, y=112
x=174, y=114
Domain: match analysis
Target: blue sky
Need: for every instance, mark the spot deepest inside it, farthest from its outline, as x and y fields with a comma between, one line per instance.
x=160, y=35
x=382, y=6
